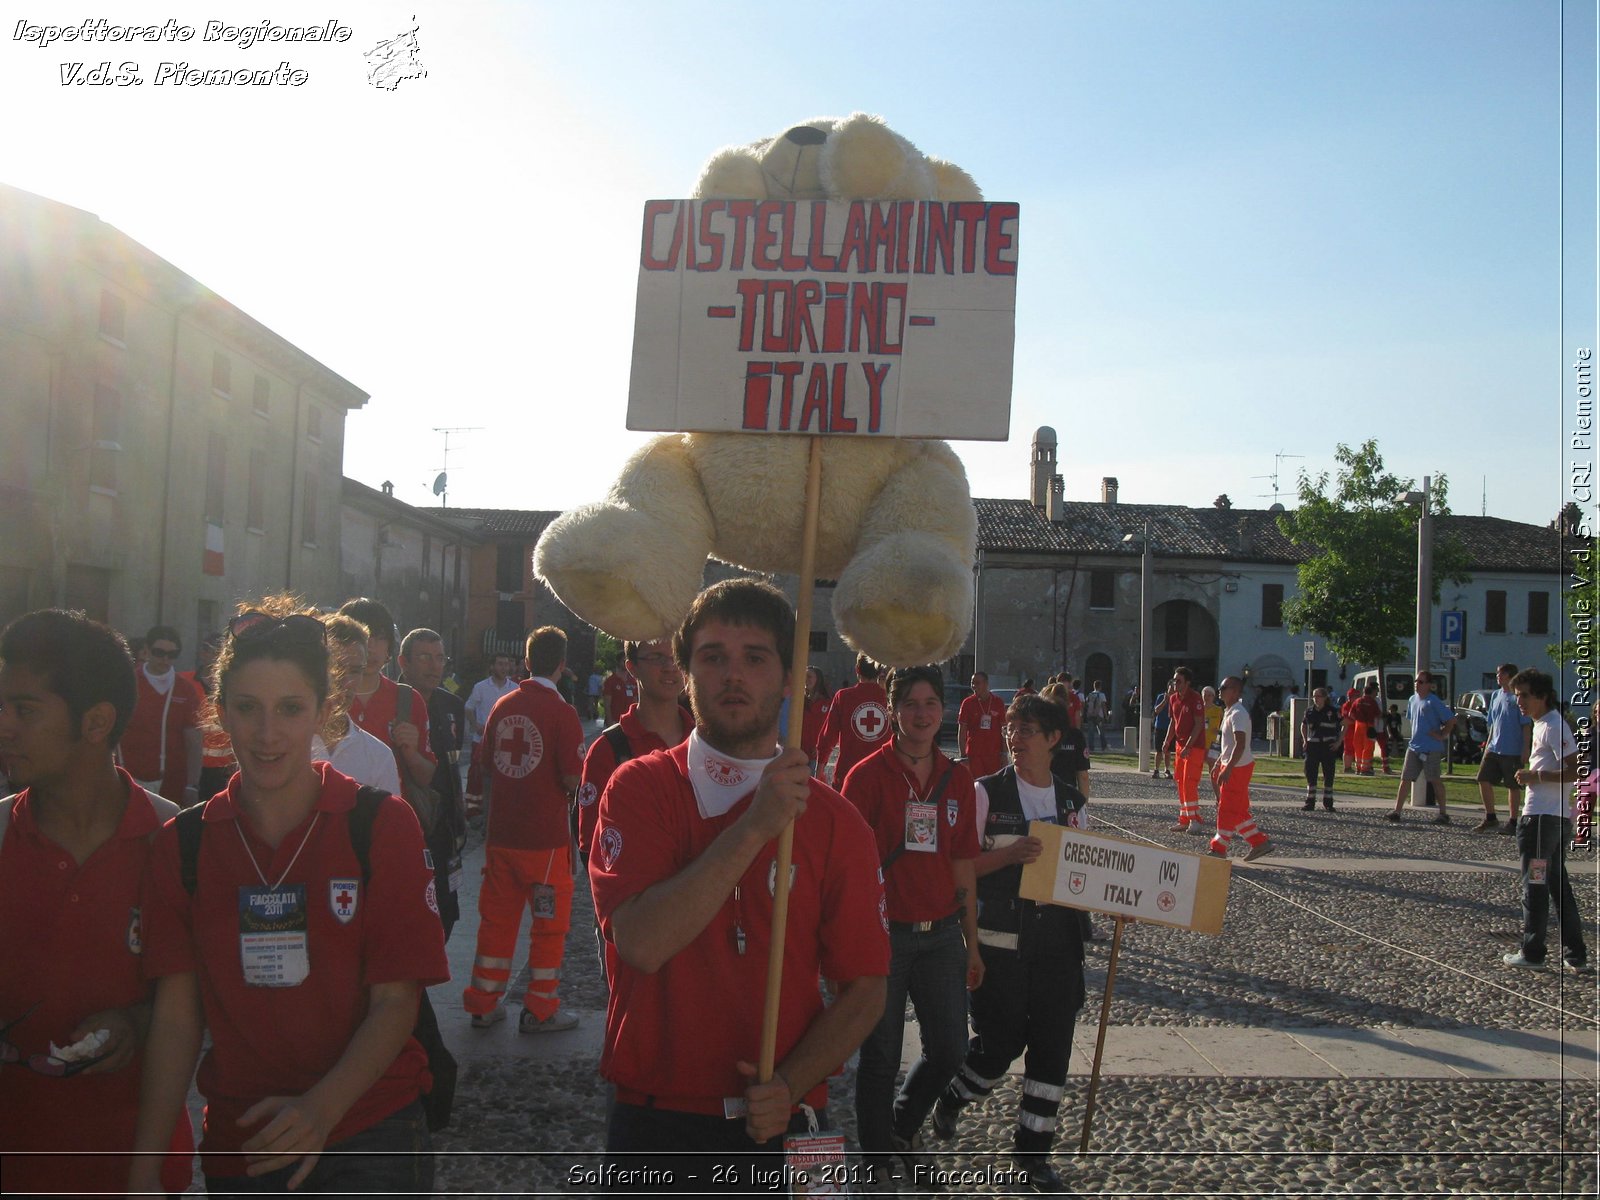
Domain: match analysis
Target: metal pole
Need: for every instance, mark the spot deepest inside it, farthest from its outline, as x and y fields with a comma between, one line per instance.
x=1424, y=656
x=1145, y=708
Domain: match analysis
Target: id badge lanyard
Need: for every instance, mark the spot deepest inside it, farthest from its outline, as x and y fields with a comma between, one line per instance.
x=544, y=896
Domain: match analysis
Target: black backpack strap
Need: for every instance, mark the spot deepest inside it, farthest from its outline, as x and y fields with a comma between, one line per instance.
x=362, y=816
x=934, y=798
x=621, y=748
x=191, y=824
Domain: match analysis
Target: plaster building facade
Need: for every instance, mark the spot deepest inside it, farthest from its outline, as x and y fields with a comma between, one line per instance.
x=162, y=453
x=1057, y=587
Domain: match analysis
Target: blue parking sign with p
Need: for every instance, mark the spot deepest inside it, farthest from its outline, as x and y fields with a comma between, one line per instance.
x=1452, y=632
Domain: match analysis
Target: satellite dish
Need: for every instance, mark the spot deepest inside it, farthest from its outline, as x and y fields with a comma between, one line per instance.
x=439, y=484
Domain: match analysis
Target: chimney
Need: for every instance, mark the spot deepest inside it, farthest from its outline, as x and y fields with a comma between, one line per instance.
x=1058, y=489
x=388, y=488
x=1044, y=465
x=1108, y=489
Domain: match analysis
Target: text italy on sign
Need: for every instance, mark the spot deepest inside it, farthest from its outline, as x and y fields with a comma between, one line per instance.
x=873, y=318
x=1129, y=879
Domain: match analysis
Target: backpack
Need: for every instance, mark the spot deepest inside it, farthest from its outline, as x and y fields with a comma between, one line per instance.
x=440, y=1099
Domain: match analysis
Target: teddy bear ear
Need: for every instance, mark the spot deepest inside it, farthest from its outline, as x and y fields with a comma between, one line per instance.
x=733, y=173
x=953, y=183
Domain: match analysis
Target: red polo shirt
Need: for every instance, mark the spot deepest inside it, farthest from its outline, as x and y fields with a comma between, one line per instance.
x=983, y=720
x=70, y=945
x=279, y=1041
x=918, y=884
x=533, y=738
x=1188, y=713
x=141, y=741
x=380, y=710
x=857, y=721
x=678, y=1034
x=620, y=692
x=601, y=761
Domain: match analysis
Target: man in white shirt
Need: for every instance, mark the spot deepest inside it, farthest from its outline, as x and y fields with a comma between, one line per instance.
x=1235, y=764
x=479, y=703
x=1546, y=828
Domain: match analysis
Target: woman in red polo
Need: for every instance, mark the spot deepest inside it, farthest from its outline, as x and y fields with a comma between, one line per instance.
x=304, y=966
x=921, y=809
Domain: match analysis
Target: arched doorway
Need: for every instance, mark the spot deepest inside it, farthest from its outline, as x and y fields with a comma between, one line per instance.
x=1184, y=635
x=1098, y=666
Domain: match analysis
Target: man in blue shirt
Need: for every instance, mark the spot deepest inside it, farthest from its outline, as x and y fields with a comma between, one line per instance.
x=1431, y=723
x=1510, y=742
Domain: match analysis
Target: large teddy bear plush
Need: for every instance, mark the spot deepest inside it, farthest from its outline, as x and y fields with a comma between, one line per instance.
x=897, y=529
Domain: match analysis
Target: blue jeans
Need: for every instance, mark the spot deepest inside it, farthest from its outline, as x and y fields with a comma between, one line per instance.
x=932, y=969
x=1543, y=840
x=395, y=1156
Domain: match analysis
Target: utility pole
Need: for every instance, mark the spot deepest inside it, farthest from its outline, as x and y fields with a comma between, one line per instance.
x=441, y=484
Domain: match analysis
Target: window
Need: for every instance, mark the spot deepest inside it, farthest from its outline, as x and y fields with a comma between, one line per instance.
x=427, y=556
x=1494, y=612
x=508, y=621
x=216, y=478
x=261, y=396
x=221, y=373
x=1272, y=606
x=1102, y=589
x=308, y=512
x=113, y=315
x=508, y=571
x=256, y=498
x=1538, y=612
x=107, y=429
x=819, y=641
x=314, y=423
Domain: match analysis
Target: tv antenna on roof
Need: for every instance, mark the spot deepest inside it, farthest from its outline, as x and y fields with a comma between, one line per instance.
x=1277, y=468
x=441, y=482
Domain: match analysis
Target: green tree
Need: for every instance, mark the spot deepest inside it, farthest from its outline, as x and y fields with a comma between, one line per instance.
x=1359, y=587
x=607, y=651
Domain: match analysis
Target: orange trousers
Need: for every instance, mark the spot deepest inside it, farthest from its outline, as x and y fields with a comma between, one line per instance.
x=1363, y=747
x=514, y=880
x=1186, y=772
x=1233, y=810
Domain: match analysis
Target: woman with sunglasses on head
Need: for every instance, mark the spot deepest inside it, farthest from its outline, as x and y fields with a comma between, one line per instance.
x=1032, y=953
x=303, y=961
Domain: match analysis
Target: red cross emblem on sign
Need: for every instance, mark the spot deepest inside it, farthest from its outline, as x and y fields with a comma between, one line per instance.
x=870, y=721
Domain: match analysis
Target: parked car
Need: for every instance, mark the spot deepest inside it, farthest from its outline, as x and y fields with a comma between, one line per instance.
x=1477, y=699
x=1471, y=734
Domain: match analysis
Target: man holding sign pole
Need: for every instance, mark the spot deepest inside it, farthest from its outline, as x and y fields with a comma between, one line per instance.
x=684, y=873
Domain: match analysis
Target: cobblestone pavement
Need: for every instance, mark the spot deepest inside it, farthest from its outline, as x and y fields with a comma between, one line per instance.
x=1302, y=948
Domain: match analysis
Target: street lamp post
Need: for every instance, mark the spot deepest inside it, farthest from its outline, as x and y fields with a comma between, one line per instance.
x=1424, y=627
x=1145, y=708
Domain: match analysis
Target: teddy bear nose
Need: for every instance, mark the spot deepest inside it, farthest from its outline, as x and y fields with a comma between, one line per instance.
x=806, y=135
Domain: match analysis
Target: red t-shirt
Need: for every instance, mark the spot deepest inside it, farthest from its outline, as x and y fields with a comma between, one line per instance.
x=1365, y=711
x=379, y=711
x=811, y=724
x=918, y=885
x=141, y=741
x=70, y=944
x=857, y=722
x=532, y=740
x=1188, y=713
x=983, y=721
x=649, y=830
x=280, y=1040
x=601, y=761
x=620, y=692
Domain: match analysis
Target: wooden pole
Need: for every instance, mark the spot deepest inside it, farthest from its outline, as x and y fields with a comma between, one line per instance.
x=1100, y=1040
x=791, y=740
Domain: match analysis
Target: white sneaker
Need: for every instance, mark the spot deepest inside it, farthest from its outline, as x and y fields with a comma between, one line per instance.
x=493, y=1017
x=1516, y=958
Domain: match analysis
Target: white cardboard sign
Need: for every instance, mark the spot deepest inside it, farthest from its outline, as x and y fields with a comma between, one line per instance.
x=1129, y=879
x=872, y=318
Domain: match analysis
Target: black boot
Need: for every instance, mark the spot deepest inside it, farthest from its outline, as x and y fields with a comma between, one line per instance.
x=1038, y=1173
x=1327, y=801
x=1311, y=801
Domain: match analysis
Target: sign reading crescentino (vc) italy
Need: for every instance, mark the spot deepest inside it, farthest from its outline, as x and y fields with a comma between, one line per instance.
x=1128, y=879
x=870, y=318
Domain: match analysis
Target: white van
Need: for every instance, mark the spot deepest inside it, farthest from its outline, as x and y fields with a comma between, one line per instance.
x=1396, y=690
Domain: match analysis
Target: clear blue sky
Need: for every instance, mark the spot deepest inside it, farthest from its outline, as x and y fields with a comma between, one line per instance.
x=1246, y=227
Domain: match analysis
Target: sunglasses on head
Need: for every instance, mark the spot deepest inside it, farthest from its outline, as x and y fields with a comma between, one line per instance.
x=254, y=624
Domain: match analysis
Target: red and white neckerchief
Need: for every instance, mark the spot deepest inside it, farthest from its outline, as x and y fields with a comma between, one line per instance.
x=719, y=780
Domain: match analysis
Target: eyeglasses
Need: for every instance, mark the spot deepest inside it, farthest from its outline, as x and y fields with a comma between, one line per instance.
x=1011, y=729
x=162, y=652
x=653, y=660
x=42, y=1064
x=1427, y=681
x=299, y=627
